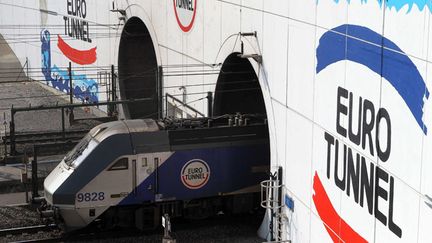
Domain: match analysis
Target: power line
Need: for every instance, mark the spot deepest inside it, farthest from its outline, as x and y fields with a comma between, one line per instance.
x=53, y=13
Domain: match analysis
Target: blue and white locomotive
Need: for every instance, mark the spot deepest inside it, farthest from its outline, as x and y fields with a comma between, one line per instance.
x=127, y=173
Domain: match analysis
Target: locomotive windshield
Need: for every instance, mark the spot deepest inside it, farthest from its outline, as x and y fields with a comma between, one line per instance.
x=80, y=151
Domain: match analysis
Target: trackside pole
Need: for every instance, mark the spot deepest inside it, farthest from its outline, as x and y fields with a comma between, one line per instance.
x=71, y=113
x=210, y=104
x=35, y=179
x=166, y=223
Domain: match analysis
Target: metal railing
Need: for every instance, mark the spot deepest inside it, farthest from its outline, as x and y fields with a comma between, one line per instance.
x=184, y=109
x=271, y=199
x=63, y=108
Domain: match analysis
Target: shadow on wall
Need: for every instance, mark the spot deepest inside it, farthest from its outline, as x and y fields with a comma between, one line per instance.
x=10, y=67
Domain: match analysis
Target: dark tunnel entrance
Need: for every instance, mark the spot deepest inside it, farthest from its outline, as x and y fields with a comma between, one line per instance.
x=238, y=91
x=137, y=67
x=238, y=88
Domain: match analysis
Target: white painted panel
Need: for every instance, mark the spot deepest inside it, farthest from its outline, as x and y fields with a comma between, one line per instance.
x=174, y=39
x=364, y=86
x=279, y=7
x=301, y=68
x=196, y=35
x=275, y=46
x=406, y=136
x=318, y=231
x=405, y=214
x=357, y=10
x=327, y=82
x=254, y=4
x=298, y=162
x=331, y=14
x=212, y=31
x=280, y=127
x=252, y=21
x=356, y=216
x=408, y=23
x=426, y=166
x=303, y=11
x=326, y=195
x=228, y=26
x=299, y=224
x=159, y=19
x=425, y=221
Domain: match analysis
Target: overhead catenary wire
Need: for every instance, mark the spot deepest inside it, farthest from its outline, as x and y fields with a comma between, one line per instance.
x=100, y=32
x=50, y=12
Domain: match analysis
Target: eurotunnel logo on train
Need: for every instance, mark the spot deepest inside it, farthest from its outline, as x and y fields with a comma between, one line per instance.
x=368, y=130
x=185, y=12
x=76, y=26
x=195, y=174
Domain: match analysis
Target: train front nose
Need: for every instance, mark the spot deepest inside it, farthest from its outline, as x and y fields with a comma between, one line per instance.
x=54, y=180
x=63, y=211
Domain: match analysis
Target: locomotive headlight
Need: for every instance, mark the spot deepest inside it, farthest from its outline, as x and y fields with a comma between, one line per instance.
x=149, y=170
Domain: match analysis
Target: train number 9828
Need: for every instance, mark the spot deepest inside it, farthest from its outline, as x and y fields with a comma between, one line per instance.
x=90, y=196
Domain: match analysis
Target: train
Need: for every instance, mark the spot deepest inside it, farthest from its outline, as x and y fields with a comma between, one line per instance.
x=128, y=173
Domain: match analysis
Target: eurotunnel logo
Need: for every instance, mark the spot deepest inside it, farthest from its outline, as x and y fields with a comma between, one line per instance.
x=368, y=185
x=185, y=12
x=363, y=46
x=76, y=26
x=195, y=174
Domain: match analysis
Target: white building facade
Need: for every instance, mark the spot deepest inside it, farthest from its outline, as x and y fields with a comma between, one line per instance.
x=345, y=84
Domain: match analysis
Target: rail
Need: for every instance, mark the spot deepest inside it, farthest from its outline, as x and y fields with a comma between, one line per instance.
x=53, y=239
x=27, y=229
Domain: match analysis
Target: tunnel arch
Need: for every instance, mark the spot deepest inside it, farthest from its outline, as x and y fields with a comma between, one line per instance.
x=138, y=70
x=238, y=88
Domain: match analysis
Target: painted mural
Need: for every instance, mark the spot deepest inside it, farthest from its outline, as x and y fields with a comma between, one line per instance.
x=399, y=4
x=83, y=88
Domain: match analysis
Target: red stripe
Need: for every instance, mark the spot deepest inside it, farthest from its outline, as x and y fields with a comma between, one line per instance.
x=196, y=186
x=77, y=56
x=337, y=228
x=182, y=27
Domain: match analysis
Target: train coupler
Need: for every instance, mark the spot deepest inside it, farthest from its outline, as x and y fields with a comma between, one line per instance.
x=39, y=200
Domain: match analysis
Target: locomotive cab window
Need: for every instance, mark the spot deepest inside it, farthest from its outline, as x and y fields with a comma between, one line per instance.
x=121, y=164
x=144, y=162
x=77, y=155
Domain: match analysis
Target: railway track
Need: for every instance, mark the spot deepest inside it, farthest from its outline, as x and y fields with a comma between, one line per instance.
x=27, y=229
x=54, y=239
x=45, y=137
x=49, y=143
x=34, y=233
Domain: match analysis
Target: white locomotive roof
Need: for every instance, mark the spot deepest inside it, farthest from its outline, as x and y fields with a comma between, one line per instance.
x=141, y=125
x=105, y=130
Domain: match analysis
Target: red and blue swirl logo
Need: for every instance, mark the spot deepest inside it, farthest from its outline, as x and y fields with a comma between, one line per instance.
x=382, y=56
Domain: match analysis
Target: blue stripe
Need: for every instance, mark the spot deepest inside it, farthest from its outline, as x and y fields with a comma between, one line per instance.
x=364, y=46
x=230, y=170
